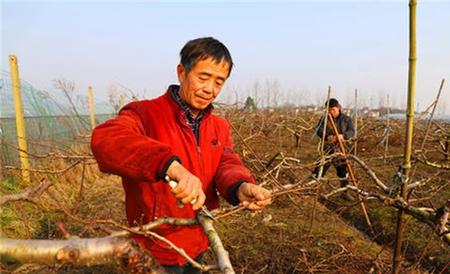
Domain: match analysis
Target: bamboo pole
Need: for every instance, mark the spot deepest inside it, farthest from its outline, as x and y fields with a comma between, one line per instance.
x=409, y=134
x=2, y=153
x=388, y=130
x=322, y=153
x=121, y=103
x=356, y=123
x=324, y=130
x=91, y=107
x=1, y=156
x=1, y=149
x=447, y=148
x=20, y=120
x=436, y=101
x=350, y=171
x=430, y=120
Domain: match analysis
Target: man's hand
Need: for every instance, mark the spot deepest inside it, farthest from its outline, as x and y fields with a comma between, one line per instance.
x=189, y=186
x=253, y=196
x=333, y=139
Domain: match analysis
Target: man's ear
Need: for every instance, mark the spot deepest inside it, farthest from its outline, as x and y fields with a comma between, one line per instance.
x=180, y=73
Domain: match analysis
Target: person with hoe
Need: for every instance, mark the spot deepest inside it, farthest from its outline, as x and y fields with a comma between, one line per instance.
x=176, y=137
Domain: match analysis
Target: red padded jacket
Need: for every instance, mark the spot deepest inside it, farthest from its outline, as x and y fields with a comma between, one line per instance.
x=137, y=146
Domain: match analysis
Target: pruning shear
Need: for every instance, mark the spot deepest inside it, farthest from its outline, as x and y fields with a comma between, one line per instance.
x=203, y=210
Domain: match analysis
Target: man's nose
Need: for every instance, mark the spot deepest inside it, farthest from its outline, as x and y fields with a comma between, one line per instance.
x=209, y=87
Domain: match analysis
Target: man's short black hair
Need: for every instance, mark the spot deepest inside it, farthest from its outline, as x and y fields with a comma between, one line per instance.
x=204, y=48
x=333, y=103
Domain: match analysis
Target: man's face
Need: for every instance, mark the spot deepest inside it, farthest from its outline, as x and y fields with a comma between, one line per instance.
x=334, y=111
x=200, y=86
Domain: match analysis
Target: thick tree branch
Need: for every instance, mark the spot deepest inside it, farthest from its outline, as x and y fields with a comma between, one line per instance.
x=222, y=258
x=122, y=252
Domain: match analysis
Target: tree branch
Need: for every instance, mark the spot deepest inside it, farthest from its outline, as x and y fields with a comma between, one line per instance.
x=122, y=252
x=30, y=194
x=222, y=258
x=433, y=164
x=436, y=219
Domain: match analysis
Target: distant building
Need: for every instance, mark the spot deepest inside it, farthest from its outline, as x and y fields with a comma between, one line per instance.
x=347, y=111
x=310, y=108
x=364, y=110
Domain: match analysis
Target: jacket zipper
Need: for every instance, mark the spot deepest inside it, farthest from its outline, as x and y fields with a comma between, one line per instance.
x=197, y=147
x=199, y=154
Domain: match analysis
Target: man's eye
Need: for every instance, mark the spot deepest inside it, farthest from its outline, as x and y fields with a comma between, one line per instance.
x=203, y=78
x=219, y=83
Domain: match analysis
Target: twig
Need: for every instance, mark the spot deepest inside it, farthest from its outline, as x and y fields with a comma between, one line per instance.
x=369, y=172
x=433, y=164
x=30, y=194
x=180, y=251
x=275, y=180
x=49, y=171
x=436, y=219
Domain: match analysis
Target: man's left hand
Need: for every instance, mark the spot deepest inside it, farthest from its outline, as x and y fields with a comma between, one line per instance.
x=254, y=197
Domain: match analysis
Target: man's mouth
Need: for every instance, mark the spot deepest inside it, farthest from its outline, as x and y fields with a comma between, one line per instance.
x=204, y=99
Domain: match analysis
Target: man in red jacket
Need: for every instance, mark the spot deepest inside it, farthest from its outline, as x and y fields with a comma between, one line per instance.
x=176, y=135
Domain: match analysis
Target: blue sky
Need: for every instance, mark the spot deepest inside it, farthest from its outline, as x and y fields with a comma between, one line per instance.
x=297, y=48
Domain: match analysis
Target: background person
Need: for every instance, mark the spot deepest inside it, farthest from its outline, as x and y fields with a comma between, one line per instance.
x=346, y=131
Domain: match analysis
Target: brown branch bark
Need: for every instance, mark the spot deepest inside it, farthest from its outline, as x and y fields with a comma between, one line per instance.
x=372, y=174
x=60, y=171
x=432, y=164
x=30, y=194
x=222, y=258
x=436, y=219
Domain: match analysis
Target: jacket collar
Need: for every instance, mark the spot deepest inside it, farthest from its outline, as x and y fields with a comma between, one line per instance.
x=181, y=108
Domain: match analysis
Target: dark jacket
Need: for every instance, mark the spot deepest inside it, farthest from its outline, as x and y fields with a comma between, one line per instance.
x=138, y=144
x=343, y=124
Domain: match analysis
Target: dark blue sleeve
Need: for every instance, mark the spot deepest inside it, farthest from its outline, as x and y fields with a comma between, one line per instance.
x=349, y=131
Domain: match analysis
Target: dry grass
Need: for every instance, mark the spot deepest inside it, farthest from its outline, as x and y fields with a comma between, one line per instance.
x=302, y=235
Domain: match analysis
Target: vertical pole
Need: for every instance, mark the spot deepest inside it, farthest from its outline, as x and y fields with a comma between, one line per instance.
x=447, y=148
x=121, y=103
x=356, y=122
x=20, y=121
x=1, y=149
x=430, y=119
x=350, y=171
x=409, y=134
x=388, y=130
x=1, y=154
x=432, y=115
x=322, y=143
x=91, y=107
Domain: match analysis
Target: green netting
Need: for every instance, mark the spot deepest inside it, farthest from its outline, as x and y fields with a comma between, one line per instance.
x=50, y=123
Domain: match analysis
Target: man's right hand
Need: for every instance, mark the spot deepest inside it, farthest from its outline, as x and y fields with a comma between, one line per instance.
x=189, y=186
x=333, y=139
